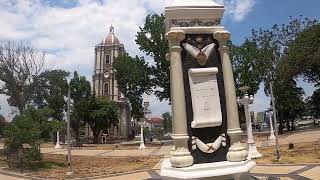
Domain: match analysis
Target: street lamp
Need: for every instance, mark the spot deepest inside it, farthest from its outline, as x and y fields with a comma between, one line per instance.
x=146, y=105
x=142, y=146
x=245, y=101
x=57, y=146
x=271, y=137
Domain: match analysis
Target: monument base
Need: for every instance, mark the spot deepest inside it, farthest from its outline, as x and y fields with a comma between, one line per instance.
x=57, y=146
x=252, y=151
x=217, y=170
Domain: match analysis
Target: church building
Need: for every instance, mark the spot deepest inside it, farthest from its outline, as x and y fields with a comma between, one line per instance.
x=105, y=84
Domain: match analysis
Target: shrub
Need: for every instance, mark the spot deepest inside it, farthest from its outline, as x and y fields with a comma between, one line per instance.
x=24, y=133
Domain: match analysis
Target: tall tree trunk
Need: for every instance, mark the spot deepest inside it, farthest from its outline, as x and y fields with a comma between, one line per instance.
x=96, y=137
x=77, y=135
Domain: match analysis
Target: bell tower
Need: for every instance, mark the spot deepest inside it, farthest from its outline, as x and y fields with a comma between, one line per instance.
x=104, y=82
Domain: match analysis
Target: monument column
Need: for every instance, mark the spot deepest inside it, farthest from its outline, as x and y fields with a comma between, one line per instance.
x=181, y=156
x=237, y=152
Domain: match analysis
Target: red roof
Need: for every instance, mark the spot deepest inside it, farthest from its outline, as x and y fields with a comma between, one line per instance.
x=156, y=120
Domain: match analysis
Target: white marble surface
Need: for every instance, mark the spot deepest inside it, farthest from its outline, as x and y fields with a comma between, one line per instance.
x=217, y=170
x=205, y=97
x=192, y=3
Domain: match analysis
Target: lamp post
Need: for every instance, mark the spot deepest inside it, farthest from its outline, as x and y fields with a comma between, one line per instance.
x=69, y=172
x=245, y=101
x=142, y=146
x=58, y=142
x=271, y=137
x=146, y=105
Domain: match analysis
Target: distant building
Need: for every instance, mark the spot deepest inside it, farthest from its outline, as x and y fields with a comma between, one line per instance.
x=105, y=84
x=156, y=122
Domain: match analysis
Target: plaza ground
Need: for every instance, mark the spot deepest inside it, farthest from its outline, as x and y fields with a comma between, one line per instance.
x=124, y=161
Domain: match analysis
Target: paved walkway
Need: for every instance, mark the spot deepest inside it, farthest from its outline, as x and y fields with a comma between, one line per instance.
x=296, y=137
x=260, y=172
x=164, y=150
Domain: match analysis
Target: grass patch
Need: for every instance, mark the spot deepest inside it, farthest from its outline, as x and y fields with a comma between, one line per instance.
x=301, y=153
x=33, y=167
x=86, y=166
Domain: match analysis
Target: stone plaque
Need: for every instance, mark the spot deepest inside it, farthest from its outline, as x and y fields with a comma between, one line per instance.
x=205, y=97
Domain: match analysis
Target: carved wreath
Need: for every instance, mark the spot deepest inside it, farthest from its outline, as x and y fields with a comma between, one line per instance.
x=209, y=147
x=195, y=22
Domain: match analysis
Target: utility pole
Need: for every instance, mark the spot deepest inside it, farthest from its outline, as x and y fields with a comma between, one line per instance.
x=69, y=172
x=275, y=120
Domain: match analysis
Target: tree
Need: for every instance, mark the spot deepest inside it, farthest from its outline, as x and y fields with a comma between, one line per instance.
x=80, y=92
x=167, y=122
x=159, y=132
x=273, y=45
x=103, y=113
x=151, y=40
x=303, y=54
x=19, y=65
x=134, y=79
x=26, y=130
x=3, y=124
x=290, y=103
x=314, y=104
x=52, y=89
x=244, y=62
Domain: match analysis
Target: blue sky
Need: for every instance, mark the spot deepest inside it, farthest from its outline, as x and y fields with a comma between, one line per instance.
x=69, y=29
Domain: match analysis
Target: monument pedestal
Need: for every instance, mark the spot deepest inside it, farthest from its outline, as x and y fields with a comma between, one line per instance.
x=218, y=170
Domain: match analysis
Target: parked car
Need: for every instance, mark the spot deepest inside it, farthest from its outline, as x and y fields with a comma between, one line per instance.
x=264, y=125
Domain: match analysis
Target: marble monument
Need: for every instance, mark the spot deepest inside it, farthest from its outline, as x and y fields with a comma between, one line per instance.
x=206, y=131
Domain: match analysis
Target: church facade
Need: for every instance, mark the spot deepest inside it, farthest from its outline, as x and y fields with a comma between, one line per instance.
x=105, y=83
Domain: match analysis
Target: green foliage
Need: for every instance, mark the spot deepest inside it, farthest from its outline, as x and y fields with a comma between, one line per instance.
x=20, y=63
x=167, y=122
x=134, y=79
x=52, y=88
x=3, y=124
x=80, y=92
x=24, y=133
x=289, y=101
x=159, y=132
x=273, y=46
x=314, y=104
x=260, y=117
x=80, y=88
x=303, y=55
x=146, y=132
x=151, y=40
x=102, y=114
x=244, y=62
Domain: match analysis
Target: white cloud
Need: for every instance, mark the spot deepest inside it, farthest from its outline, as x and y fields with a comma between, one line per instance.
x=237, y=9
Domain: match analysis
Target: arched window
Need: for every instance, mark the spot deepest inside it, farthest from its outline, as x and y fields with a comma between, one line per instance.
x=106, y=89
x=108, y=59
